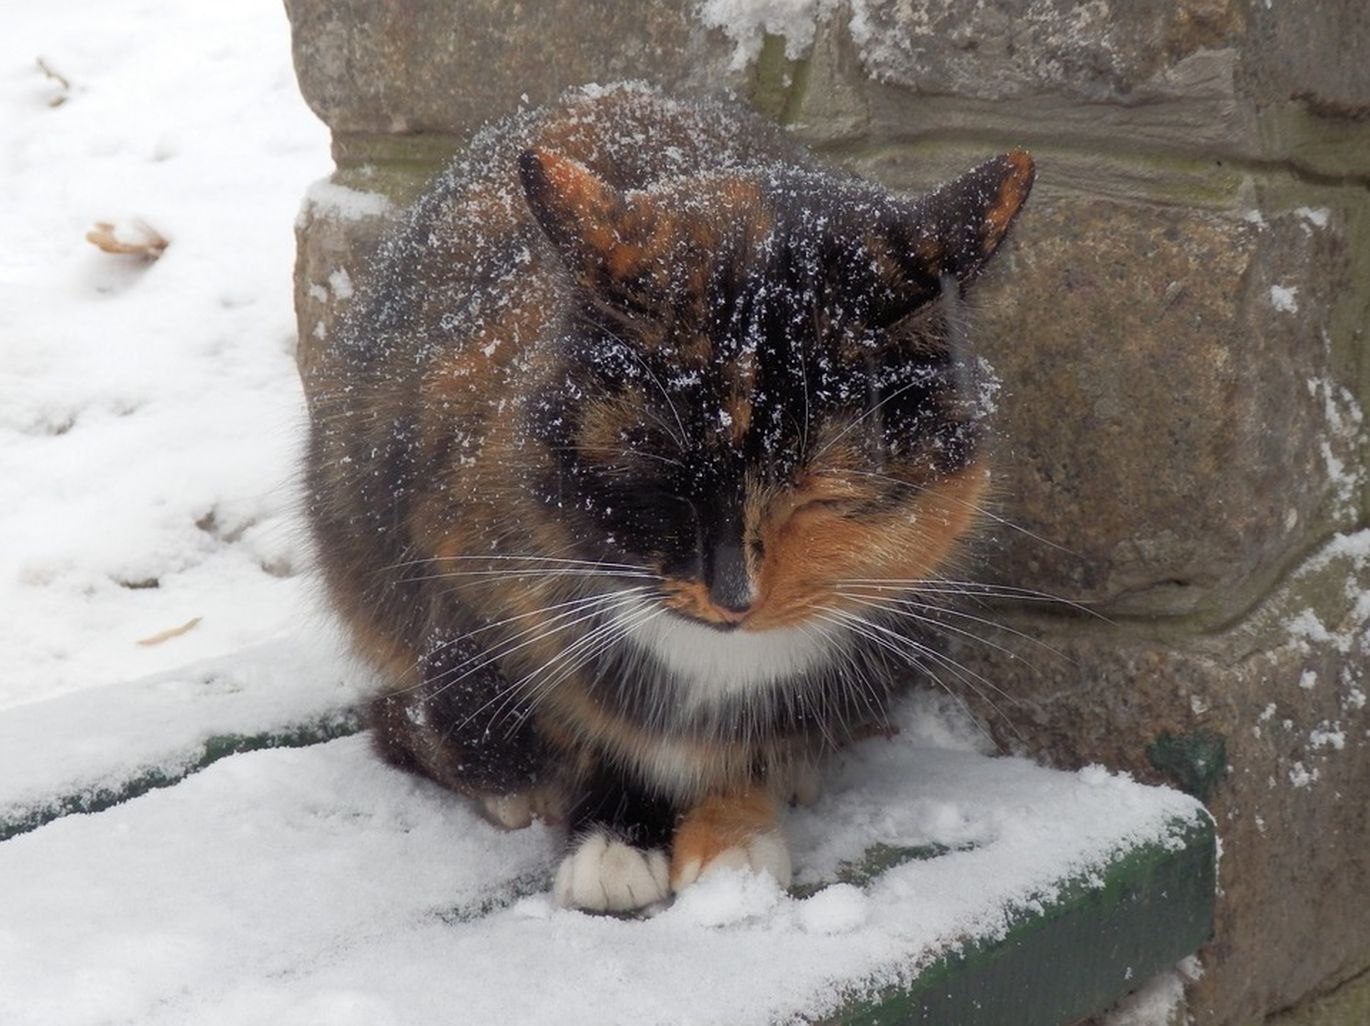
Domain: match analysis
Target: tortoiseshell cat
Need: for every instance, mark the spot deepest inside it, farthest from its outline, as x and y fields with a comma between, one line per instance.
x=620, y=459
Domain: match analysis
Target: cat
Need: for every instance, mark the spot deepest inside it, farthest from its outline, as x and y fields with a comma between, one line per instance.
x=639, y=430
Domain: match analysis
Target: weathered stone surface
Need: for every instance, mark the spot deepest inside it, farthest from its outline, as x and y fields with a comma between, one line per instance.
x=340, y=225
x=1101, y=51
x=1204, y=78
x=448, y=68
x=1190, y=107
x=1345, y=1004
x=1167, y=421
x=1286, y=692
x=1296, y=51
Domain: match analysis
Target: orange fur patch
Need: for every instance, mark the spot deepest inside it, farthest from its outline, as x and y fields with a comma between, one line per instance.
x=575, y=187
x=718, y=823
x=739, y=410
x=692, y=599
x=604, y=427
x=1012, y=194
x=625, y=234
x=809, y=548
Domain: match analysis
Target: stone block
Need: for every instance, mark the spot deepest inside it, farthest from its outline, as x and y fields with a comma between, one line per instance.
x=1100, y=51
x=340, y=224
x=1271, y=715
x=444, y=68
x=1178, y=418
x=1346, y=1004
x=1200, y=78
x=1312, y=54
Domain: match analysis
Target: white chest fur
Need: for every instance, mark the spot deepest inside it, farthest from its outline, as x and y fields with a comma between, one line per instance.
x=715, y=665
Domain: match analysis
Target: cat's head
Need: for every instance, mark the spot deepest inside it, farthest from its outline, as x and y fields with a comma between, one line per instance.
x=766, y=399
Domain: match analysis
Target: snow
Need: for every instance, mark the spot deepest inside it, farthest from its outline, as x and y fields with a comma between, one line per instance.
x=339, y=201
x=101, y=739
x=890, y=39
x=1158, y=1002
x=1283, y=298
x=1344, y=419
x=746, y=22
x=839, y=908
x=1316, y=216
x=149, y=411
x=1302, y=776
x=286, y=885
x=1327, y=735
x=1305, y=629
x=341, y=283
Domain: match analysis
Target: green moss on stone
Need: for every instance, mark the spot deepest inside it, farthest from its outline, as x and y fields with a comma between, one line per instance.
x=778, y=81
x=1196, y=761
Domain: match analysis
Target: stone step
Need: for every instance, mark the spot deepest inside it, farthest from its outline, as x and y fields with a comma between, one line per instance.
x=88, y=750
x=1075, y=957
x=934, y=884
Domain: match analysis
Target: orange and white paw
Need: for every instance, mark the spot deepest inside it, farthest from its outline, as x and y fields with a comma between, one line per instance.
x=760, y=853
x=739, y=831
x=603, y=874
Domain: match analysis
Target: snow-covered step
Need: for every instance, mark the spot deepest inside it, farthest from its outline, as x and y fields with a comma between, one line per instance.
x=87, y=750
x=317, y=885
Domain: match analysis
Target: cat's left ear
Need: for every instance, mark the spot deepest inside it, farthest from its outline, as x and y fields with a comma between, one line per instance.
x=956, y=229
x=607, y=239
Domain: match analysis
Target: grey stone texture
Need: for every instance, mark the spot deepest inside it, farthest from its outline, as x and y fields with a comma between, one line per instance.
x=1180, y=324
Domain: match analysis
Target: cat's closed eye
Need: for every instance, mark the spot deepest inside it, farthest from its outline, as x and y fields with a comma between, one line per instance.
x=837, y=506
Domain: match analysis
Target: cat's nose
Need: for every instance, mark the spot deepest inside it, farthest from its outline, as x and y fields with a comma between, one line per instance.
x=730, y=589
x=733, y=614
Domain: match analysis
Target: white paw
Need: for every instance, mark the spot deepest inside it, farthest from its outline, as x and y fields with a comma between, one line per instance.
x=763, y=853
x=606, y=875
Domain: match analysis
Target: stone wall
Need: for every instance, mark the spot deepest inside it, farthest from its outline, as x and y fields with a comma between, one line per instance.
x=1181, y=327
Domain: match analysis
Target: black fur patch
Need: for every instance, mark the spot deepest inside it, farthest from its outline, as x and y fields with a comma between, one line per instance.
x=473, y=730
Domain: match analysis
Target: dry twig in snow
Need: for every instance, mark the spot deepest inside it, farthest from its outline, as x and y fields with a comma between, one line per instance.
x=63, y=93
x=135, y=238
x=170, y=632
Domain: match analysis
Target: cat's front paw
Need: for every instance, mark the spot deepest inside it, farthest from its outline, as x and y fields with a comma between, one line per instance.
x=763, y=853
x=603, y=874
x=730, y=832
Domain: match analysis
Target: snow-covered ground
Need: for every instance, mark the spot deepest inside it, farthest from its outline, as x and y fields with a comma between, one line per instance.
x=149, y=414
x=155, y=595
x=315, y=886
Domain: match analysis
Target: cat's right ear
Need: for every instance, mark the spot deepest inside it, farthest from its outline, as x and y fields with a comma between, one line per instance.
x=605, y=238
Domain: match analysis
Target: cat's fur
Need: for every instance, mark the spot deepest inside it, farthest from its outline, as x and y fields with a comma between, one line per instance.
x=642, y=409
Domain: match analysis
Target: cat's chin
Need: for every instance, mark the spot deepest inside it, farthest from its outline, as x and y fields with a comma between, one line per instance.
x=722, y=628
x=721, y=660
